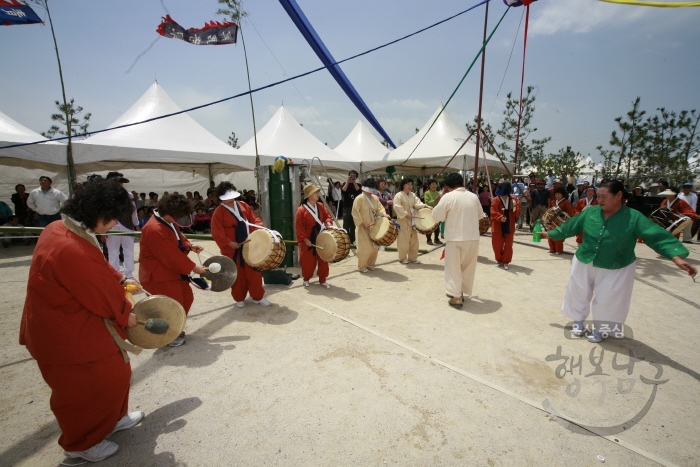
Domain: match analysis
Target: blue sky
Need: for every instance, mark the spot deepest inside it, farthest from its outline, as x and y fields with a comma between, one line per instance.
x=587, y=59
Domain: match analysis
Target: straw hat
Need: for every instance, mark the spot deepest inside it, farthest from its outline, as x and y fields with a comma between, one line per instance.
x=667, y=192
x=230, y=194
x=310, y=189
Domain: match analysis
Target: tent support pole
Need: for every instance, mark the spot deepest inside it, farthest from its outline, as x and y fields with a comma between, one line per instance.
x=481, y=98
x=211, y=179
x=455, y=155
x=493, y=148
x=252, y=111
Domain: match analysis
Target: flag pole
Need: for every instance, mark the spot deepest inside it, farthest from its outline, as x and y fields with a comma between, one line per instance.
x=479, y=130
x=252, y=111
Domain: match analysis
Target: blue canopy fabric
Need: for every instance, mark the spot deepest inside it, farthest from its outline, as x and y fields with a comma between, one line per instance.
x=302, y=23
x=16, y=12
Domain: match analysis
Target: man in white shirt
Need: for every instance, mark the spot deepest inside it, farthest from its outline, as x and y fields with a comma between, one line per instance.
x=46, y=201
x=460, y=210
x=692, y=199
x=549, y=179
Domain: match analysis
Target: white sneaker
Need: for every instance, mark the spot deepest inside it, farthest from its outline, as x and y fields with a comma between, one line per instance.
x=97, y=453
x=325, y=284
x=240, y=304
x=405, y=261
x=416, y=261
x=505, y=266
x=129, y=420
x=371, y=268
x=263, y=302
x=363, y=270
x=306, y=283
x=498, y=265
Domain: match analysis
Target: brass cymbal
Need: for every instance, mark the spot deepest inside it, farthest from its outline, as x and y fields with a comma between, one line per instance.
x=224, y=279
x=157, y=306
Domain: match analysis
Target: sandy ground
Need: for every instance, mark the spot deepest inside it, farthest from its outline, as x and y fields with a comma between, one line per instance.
x=379, y=370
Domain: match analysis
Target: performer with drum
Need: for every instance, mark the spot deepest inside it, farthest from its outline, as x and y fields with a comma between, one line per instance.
x=604, y=265
x=560, y=202
x=405, y=202
x=311, y=218
x=230, y=226
x=675, y=204
x=584, y=203
x=164, y=267
x=75, y=304
x=505, y=209
x=432, y=198
x=366, y=211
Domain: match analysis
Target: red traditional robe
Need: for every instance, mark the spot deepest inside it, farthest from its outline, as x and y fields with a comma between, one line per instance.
x=223, y=230
x=564, y=205
x=580, y=206
x=71, y=290
x=681, y=207
x=308, y=257
x=162, y=264
x=502, y=243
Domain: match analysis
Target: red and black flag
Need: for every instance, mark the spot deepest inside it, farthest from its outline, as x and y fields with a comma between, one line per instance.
x=17, y=12
x=213, y=32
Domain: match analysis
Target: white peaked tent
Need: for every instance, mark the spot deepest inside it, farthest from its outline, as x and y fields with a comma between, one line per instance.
x=12, y=132
x=361, y=144
x=282, y=135
x=26, y=164
x=441, y=143
x=178, y=139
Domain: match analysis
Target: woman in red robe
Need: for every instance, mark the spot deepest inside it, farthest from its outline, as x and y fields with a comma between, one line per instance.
x=164, y=266
x=583, y=203
x=310, y=218
x=505, y=209
x=230, y=225
x=677, y=205
x=75, y=304
x=560, y=201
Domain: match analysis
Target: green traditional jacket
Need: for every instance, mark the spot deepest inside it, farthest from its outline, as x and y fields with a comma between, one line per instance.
x=429, y=198
x=609, y=243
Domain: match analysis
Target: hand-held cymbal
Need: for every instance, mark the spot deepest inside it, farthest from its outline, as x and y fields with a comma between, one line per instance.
x=155, y=325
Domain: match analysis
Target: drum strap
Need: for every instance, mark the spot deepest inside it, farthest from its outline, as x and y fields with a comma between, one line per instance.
x=316, y=228
x=123, y=345
x=505, y=226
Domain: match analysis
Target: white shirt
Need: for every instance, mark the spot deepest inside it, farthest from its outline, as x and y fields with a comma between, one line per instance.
x=337, y=194
x=460, y=210
x=46, y=202
x=691, y=199
x=549, y=180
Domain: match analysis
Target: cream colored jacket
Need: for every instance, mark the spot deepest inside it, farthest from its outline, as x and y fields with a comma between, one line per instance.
x=403, y=204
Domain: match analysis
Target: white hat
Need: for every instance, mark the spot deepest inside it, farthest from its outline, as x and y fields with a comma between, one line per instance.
x=667, y=192
x=230, y=194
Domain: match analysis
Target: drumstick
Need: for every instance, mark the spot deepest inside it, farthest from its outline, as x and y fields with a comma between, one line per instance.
x=155, y=325
x=243, y=242
x=319, y=247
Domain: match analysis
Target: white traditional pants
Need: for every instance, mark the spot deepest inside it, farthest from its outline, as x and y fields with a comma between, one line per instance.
x=460, y=266
x=609, y=289
x=367, y=250
x=127, y=244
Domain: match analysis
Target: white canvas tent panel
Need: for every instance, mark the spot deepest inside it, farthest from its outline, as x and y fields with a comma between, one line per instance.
x=441, y=143
x=361, y=144
x=12, y=132
x=282, y=135
x=177, y=139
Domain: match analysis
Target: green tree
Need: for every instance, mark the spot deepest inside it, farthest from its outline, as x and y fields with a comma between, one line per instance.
x=530, y=150
x=627, y=143
x=233, y=140
x=232, y=10
x=691, y=146
x=670, y=139
x=566, y=160
x=68, y=121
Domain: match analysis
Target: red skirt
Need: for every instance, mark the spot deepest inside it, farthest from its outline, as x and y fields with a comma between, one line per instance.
x=88, y=399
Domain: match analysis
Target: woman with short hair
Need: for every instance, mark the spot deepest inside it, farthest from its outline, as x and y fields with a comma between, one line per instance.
x=75, y=305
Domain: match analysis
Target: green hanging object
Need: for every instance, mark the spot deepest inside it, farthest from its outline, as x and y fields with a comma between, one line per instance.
x=391, y=169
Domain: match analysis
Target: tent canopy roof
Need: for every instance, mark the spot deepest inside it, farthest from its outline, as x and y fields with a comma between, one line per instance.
x=174, y=139
x=361, y=144
x=441, y=143
x=12, y=132
x=282, y=135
